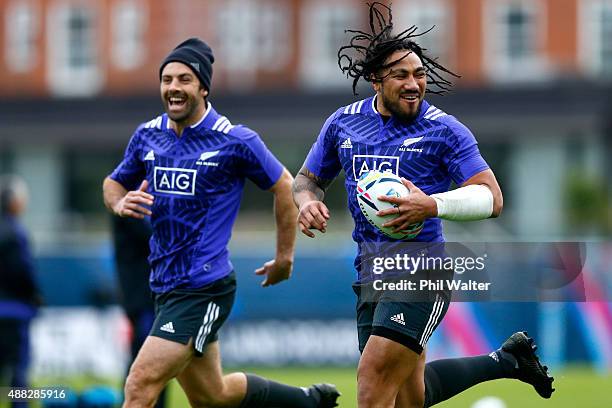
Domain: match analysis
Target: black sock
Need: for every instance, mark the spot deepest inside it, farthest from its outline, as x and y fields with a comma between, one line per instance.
x=447, y=378
x=262, y=393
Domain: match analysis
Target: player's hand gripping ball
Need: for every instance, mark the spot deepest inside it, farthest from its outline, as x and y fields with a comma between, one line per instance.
x=373, y=184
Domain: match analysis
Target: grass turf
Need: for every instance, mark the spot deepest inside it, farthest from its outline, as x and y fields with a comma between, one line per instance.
x=576, y=387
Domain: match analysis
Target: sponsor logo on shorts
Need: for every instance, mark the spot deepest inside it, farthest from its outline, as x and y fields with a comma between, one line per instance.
x=173, y=180
x=399, y=318
x=168, y=327
x=362, y=163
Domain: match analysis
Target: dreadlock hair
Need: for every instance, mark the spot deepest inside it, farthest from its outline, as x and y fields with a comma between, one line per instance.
x=375, y=47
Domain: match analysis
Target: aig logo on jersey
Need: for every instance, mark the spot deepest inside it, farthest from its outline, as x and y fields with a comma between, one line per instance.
x=362, y=163
x=173, y=180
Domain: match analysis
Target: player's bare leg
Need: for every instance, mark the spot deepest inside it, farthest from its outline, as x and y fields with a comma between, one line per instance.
x=158, y=361
x=206, y=386
x=412, y=392
x=384, y=367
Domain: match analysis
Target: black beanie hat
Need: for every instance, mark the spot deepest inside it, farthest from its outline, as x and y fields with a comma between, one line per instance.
x=197, y=55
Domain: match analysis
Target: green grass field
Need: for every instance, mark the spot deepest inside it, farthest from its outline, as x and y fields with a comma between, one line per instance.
x=580, y=388
x=576, y=388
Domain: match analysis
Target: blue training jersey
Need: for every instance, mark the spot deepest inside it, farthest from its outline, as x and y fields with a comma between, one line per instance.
x=197, y=181
x=431, y=151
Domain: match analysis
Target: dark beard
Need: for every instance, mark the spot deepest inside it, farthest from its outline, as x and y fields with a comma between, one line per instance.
x=397, y=112
x=182, y=117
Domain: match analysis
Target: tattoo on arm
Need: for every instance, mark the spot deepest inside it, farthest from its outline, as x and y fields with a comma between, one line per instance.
x=307, y=181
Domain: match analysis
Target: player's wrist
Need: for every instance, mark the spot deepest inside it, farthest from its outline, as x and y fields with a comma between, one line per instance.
x=284, y=259
x=116, y=207
x=431, y=207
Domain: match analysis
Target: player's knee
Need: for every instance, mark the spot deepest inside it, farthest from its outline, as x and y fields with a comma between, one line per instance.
x=415, y=401
x=368, y=385
x=141, y=384
x=373, y=370
x=376, y=380
x=369, y=396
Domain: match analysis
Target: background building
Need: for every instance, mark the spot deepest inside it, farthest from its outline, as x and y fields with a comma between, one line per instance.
x=77, y=77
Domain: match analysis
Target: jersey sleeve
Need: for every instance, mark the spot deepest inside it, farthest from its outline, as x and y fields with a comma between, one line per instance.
x=257, y=163
x=462, y=159
x=323, y=160
x=131, y=171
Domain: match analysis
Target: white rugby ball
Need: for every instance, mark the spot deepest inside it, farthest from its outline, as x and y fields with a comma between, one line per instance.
x=373, y=184
x=489, y=402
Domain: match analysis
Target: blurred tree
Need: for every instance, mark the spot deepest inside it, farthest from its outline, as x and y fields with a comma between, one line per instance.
x=587, y=204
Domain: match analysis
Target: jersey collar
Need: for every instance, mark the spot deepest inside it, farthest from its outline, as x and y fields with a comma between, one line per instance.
x=209, y=118
x=424, y=106
x=371, y=106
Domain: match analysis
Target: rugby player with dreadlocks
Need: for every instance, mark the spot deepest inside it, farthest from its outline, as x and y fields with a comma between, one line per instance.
x=398, y=130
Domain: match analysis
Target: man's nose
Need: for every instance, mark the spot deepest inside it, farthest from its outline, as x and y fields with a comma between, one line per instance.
x=174, y=84
x=410, y=84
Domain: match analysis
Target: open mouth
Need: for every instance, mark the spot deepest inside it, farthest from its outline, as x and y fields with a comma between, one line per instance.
x=177, y=102
x=410, y=97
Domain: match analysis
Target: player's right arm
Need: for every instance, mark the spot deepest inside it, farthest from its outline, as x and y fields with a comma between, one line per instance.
x=308, y=194
x=126, y=203
x=319, y=170
x=120, y=190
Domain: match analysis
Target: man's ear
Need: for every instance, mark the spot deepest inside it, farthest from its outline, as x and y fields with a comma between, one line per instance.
x=376, y=86
x=204, y=92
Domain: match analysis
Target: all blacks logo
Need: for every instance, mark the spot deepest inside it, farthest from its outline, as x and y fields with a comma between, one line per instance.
x=173, y=180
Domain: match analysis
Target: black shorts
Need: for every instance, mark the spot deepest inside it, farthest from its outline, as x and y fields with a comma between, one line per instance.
x=14, y=344
x=408, y=323
x=198, y=314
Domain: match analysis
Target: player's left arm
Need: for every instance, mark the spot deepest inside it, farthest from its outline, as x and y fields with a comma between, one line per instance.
x=478, y=198
x=487, y=179
x=285, y=213
x=261, y=166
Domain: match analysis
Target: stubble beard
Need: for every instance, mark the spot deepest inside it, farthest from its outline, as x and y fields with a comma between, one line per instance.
x=185, y=115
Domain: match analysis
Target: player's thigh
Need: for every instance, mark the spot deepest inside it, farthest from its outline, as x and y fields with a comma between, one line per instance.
x=204, y=384
x=159, y=360
x=203, y=375
x=385, y=365
x=412, y=392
